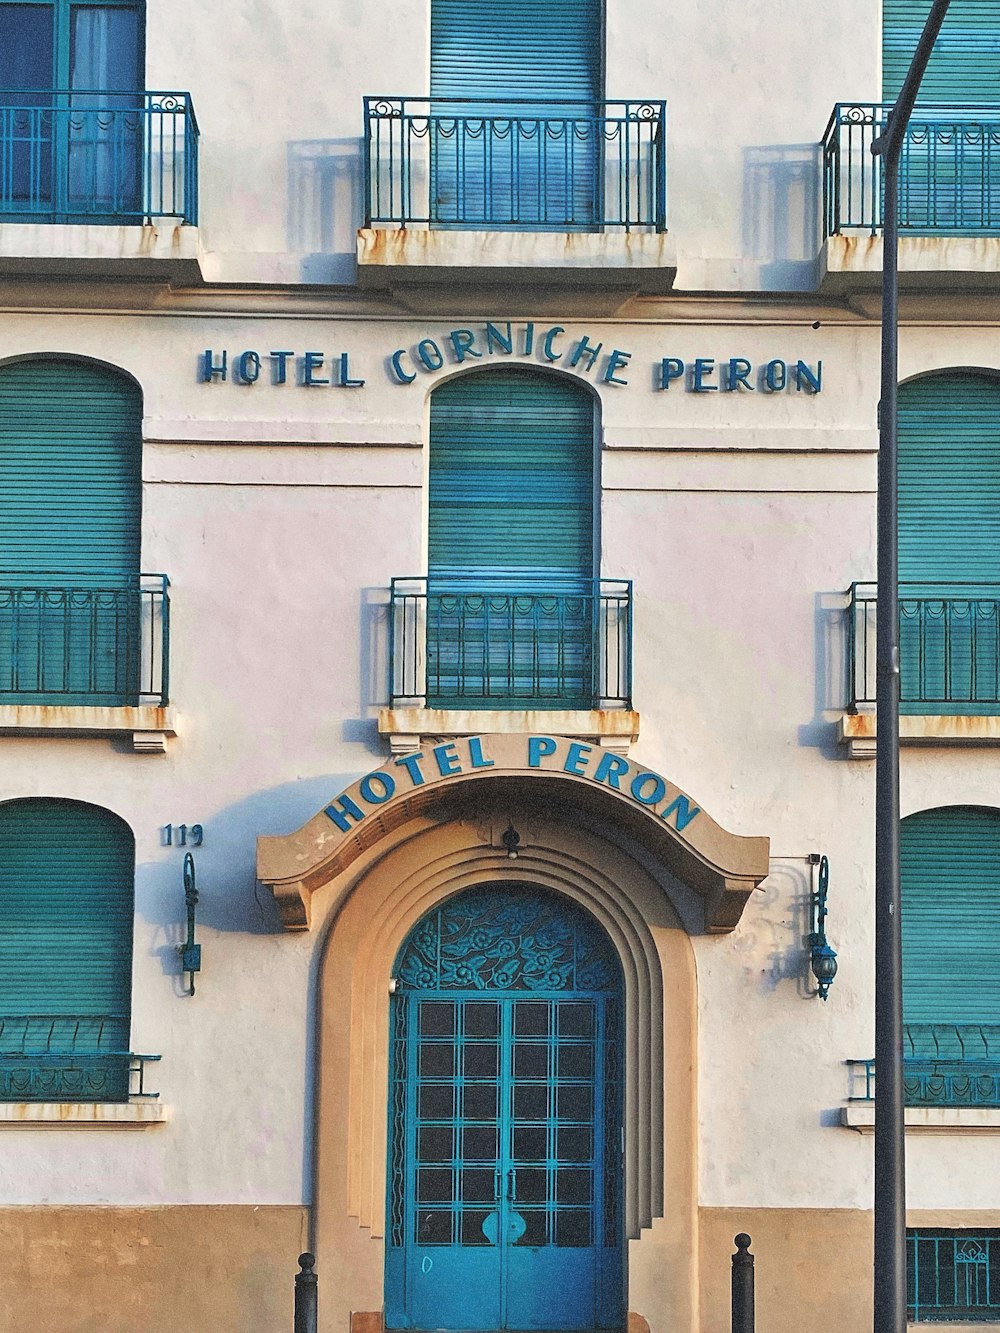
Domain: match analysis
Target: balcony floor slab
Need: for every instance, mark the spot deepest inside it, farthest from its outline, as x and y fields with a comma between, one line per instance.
x=643, y=263
x=613, y=729
x=166, y=250
x=853, y=263
x=857, y=732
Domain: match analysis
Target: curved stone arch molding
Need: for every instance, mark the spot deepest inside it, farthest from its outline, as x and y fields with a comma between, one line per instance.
x=370, y=921
x=723, y=867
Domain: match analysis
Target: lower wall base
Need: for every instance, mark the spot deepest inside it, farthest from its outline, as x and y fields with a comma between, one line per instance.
x=812, y=1267
x=212, y=1269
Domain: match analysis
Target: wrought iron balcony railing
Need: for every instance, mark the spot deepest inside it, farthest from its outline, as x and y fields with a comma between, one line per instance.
x=944, y=1064
x=64, y=1058
x=98, y=157
x=949, y=643
x=454, y=645
x=98, y=639
x=952, y=1276
x=949, y=171
x=510, y=164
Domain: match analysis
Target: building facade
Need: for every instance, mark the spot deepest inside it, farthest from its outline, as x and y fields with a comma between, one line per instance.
x=438, y=499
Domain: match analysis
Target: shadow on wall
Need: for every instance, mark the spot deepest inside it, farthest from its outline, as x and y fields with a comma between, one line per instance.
x=831, y=672
x=785, y=941
x=781, y=211
x=325, y=207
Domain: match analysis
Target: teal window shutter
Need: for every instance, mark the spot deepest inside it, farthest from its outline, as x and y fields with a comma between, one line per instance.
x=949, y=539
x=70, y=512
x=511, y=586
x=66, y=920
x=499, y=164
x=964, y=67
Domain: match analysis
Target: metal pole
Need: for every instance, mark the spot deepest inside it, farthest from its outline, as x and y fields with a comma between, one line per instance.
x=743, y=1297
x=305, y=1295
x=890, y=1163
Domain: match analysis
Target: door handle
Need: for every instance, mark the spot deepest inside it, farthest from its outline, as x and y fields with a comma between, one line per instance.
x=512, y=1184
x=496, y=1184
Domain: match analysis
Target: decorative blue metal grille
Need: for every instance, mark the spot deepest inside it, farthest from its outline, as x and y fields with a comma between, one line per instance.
x=57, y=1058
x=944, y=1064
x=953, y=1275
x=949, y=170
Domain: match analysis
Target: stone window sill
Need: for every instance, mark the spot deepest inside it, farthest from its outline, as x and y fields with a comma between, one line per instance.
x=927, y=1119
x=135, y=1114
x=148, y=725
x=857, y=733
x=614, y=729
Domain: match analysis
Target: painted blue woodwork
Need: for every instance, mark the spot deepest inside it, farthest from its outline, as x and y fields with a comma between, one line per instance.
x=72, y=599
x=514, y=133
x=511, y=600
x=965, y=62
x=505, y=1119
x=66, y=892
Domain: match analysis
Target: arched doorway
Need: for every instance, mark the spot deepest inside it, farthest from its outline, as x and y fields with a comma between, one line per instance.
x=504, y=1197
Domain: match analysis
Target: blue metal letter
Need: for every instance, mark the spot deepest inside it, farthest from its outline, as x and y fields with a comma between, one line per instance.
x=411, y=762
x=464, y=343
x=683, y=808
x=280, y=360
x=775, y=376
x=671, y=368
x=342, y=809
x=343, y=378
x=448, y=761
x=311, y=362
x=806, y=378
x=387, y=783
x=616, y=361
x=248, y=367
x=529, y=337
x=430, y=354
x=537, y=747
x=548, y=340
x=583, y=348
x=576, y=758
x=610, y=769
x=739, y=373
x=703, y=365
x=505, y=342
x=641, y=780
x=397, y=367
x=476, y=753
x=210, y=369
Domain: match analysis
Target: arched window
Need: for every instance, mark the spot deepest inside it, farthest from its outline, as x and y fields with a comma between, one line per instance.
x=70, y=506
x=950, y=867
x=512, y=599
x=949, y=543
x=66, y=919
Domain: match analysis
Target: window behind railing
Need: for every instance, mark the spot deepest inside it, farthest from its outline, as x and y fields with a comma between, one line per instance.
x=953, y=1276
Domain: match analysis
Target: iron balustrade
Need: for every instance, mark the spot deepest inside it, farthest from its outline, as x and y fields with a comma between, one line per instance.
x=463, y=645
x=511, y=163
x=98, y=639
x=952, y=1275
x=98, y=157
x=944, y=1064
x=949, y=171
x=949, y=643
x=61, y=1057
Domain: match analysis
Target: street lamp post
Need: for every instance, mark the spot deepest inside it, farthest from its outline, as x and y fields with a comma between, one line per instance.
x=890, y=1179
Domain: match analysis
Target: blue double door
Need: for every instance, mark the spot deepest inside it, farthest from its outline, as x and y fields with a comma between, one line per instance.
x=507, y=1207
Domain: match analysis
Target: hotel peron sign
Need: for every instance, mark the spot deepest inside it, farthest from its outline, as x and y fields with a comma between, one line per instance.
x=547, y=774
x=585, y=354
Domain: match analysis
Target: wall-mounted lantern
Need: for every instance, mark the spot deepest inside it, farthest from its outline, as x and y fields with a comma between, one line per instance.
x=822, y=958
x=511, y=839
x=189, y=951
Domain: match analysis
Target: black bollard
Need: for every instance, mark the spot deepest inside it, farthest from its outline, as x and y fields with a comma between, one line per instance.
x=743, y=1302
x=305, y=1295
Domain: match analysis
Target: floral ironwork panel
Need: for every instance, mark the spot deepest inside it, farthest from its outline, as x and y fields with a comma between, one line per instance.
x=507, y=938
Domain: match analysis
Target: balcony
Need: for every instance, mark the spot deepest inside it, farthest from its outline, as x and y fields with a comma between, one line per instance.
x=949, y=643
x=98, y=182
x=467, y=658
x=62, y=1058
x=85, y=653
x=944, y=1064
x=519, y=190
x=949, y=197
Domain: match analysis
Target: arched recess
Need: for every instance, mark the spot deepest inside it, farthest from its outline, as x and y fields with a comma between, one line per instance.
x=66, y=899
x=949, y=535
x=371, y=909
x=70, y=524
